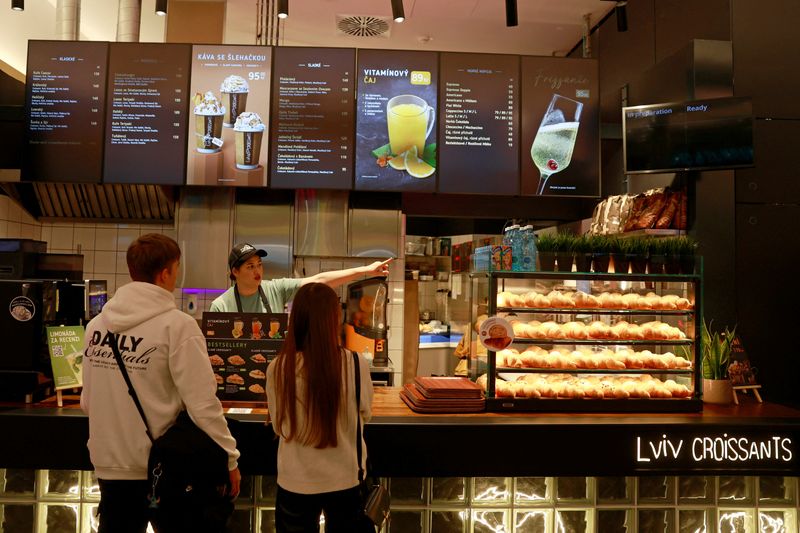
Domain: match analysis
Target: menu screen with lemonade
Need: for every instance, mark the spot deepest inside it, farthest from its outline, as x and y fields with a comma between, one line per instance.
x=312, y=118
x=479, y=124
x=560, y=127
x=396, y=120
x=65, y=106
x=228, y=114
x=146, y=113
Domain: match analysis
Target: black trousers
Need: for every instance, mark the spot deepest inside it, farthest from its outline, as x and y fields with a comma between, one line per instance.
x=123, y=506
x=299, y=513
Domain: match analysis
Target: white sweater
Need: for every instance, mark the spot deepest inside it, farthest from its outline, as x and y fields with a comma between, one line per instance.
x=308, y=470
x=166, y=358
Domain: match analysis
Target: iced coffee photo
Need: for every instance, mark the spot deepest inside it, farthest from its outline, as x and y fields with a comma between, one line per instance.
x=248, y=131
x=208, y=113
x=234, y=91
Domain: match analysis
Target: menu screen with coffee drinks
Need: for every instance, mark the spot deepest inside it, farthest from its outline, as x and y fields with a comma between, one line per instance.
x=312, y=118
x=395, y=120
x=146, y=113
x=65, y=107
x=228, y=113
x=479, y=123
x=560, y=127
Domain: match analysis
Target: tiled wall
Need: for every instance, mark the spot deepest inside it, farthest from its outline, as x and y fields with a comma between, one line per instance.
x=65, y=501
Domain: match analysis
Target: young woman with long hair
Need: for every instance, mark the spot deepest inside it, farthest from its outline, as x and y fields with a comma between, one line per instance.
x=311, y=399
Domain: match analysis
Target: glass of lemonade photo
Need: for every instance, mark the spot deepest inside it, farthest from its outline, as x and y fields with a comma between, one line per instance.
x=409, y=120
x=552, y=147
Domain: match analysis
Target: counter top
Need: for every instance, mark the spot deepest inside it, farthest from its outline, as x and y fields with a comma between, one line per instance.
x=750, y=438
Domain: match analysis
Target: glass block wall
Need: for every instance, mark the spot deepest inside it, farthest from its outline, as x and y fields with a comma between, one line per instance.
x=58, y=501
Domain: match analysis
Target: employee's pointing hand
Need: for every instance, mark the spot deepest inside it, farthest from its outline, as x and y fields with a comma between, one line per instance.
x=378, y=268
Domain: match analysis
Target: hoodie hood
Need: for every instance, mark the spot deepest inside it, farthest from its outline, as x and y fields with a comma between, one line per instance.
x=135, y=303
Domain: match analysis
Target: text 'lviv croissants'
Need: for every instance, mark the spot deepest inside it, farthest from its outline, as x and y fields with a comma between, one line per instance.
x=595, y=387
x=581, y=300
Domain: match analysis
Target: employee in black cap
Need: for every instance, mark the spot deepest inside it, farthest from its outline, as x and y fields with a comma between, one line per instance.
x=252, y=294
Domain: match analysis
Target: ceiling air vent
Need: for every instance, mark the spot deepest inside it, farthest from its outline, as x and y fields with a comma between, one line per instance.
x=363, y=26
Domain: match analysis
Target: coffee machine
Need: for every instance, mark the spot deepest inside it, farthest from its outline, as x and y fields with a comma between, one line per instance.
x=365, y=321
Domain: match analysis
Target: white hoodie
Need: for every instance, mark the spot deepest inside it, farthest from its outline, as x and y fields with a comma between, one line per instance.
x=166, y=358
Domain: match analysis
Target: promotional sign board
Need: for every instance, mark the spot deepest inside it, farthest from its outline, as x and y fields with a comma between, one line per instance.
x=66, y=355
x=146, y=113
x=240, y=345
x=395, y=120
x=312, y=118
x=228, y=115
x=560, y=127
x=479, y=124
x=65, y=109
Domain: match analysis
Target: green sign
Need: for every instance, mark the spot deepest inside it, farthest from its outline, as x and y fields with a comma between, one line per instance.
x=66, y=355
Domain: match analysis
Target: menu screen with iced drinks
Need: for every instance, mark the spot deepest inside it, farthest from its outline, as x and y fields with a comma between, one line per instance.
x=146, y=108
x=228, y=114
x=479, y=124
x=65, y=108
x=560, y=127
x=396, y=120
x=312, y=118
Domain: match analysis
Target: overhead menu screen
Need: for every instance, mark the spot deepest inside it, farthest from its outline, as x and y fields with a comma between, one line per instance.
x=146, y=113
x=312, y=118
x=396, y=120
x=65, y=105
x=560, y=127
x=479, y=124
x=228, y=116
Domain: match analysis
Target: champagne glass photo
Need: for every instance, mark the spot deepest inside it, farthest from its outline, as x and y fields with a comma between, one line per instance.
x=552, y=147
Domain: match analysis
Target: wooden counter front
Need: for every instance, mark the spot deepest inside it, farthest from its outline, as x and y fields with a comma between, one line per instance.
x=403, y=443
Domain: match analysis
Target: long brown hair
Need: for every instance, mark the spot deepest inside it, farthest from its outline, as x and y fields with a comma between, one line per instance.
x=314, y=335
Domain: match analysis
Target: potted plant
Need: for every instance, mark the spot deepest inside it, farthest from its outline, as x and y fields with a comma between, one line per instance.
x=582, y=249
x=601, y=247
x=564, y=251
x=617, y=254
x=636, y=252
x=716, y=349
x=546, y=252
x=655, y=254
x=671, y=247
x=686, y=248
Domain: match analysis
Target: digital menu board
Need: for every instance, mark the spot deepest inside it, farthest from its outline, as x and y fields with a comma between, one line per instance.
x=560, y=127
x=146, y=108
x=229, y=111
x=312, y=118
x=65, y=107
x=395, y=120
x=479, y=124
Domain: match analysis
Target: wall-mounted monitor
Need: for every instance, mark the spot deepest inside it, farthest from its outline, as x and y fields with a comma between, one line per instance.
x=65, y=109
x=696, y=135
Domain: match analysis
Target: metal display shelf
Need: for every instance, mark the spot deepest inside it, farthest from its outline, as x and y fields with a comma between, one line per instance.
x=516, y=370
x=598, y=342
x=594, y=311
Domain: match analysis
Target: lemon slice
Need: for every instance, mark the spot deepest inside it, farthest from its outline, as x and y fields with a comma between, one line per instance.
x=398, y=162
x=415, y=166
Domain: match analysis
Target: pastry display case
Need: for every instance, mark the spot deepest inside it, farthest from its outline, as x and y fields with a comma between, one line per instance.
x=588, y=341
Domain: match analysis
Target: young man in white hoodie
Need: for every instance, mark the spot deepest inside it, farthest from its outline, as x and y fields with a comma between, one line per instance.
x=165, y=355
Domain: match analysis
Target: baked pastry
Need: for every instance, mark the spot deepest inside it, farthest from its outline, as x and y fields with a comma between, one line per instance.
x=236, y=379
x=219, y=379
x=256, y=388
x=216, y=360
x=257, y=374
x=258, y=358
x=236, y=360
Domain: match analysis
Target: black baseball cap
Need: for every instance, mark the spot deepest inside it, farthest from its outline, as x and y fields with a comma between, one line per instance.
x=241, y=253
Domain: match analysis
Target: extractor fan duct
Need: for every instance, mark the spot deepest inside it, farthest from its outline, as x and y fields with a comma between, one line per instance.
x=363, y=26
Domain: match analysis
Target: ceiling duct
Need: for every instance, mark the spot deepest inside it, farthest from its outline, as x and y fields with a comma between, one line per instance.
x=363, y=26
x=99, y=203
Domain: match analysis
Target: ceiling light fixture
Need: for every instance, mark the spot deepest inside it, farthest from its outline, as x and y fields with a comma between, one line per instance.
x=283, y=9
x=18, y=5
x=398, y=14
x=511, y=13
x=161, y=7
x=622, y=15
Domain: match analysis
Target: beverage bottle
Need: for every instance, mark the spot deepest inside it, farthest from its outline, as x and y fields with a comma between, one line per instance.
x=517, y=250
x=528, y=261
x=532, y=251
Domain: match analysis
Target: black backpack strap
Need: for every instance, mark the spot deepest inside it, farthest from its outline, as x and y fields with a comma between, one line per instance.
x=131, y=390
x=357, y=372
